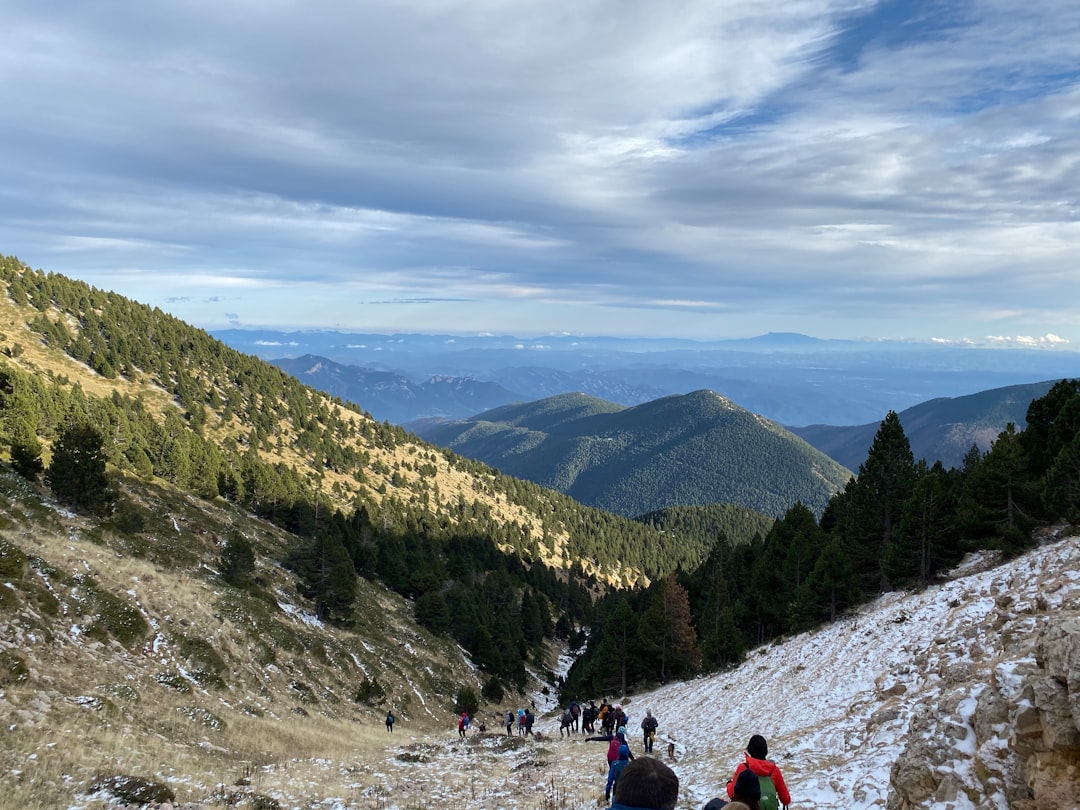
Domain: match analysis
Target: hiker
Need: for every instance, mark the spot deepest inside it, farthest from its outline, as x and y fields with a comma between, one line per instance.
x=509, y=723
x=588, y=718
x=521, y=722
x=530, y=718
x=463, y=725
x=648, y=728
x=771, y=791
x=566, y=723
x=575, y=713
x=646, y=783
x=614, y=769
x=390, y=721
x=613, y=741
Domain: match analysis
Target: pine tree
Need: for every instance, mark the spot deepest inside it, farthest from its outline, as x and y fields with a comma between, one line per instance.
x=999, y=501
x=76, y=474
x=667, y=633
x=326, y=574
x=876, y=499
x=926, y=539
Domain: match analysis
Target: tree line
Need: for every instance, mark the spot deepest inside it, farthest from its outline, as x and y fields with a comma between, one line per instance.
x=898, y=524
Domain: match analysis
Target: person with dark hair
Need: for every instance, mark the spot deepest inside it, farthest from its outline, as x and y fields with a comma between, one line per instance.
x=390, y=721
x=648, y=784
x=757, y=764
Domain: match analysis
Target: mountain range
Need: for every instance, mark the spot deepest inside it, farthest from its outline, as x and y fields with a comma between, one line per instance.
x=791, y=379
x=691, y=449
x=943, y=429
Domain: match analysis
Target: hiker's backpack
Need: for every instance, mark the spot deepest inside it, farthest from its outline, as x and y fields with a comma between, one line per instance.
x=769, y=799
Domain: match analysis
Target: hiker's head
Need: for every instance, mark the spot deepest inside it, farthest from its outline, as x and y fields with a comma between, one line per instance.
x=757, y=747
x=747, y=787
x=647, y=783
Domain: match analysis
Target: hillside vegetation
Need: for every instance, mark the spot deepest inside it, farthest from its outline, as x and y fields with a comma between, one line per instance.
x=693, y=449
x=133, y=646
x=89, y=375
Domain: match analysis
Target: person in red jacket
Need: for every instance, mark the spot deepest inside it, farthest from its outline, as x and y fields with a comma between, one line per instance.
x=756, y=752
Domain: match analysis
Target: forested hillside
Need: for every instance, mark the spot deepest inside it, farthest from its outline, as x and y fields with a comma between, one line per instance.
x=96, y=389
x=899, y=524
x=693, y=449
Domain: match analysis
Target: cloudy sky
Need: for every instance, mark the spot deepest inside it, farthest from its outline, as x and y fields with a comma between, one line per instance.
x=842, y=168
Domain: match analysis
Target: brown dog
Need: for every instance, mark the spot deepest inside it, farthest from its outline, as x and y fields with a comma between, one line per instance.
x=671, y=751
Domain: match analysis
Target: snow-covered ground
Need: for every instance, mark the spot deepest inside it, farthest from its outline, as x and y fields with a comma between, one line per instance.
x=835, y=704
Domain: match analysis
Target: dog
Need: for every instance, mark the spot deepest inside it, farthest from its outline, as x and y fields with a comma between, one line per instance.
x=671, y=751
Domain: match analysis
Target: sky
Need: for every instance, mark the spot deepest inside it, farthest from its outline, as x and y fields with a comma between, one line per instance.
x=841, y=168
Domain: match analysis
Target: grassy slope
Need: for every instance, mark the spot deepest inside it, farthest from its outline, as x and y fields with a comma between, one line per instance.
x=217, y=682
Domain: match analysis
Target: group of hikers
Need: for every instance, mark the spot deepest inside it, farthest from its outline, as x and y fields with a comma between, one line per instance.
x=649, y=784
x=646, y=783
x=609, y=716
x=525, y=719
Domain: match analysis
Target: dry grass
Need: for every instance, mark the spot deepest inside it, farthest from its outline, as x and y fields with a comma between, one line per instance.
x=77, y=705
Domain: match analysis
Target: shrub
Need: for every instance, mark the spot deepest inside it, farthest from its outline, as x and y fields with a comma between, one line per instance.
x=466, y=701
x=12, y=561
x=133, y=789
x=370, y=692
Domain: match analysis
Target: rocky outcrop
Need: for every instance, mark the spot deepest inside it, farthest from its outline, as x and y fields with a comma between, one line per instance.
x=1005, y=733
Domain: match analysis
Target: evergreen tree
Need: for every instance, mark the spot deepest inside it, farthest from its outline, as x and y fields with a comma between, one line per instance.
x=326, y=575
x=236, y=562
x=926, y=540
x=76, y=474
x=875, y=501
x=667, y=633
x=999, y=501
x=609, y=668
x=832, y=586
x=26, y=455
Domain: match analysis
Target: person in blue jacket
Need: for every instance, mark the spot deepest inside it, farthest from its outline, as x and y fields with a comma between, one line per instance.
x=614, y=769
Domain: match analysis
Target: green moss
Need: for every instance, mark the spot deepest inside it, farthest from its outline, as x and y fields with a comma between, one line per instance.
x=133, y=789
x=123, y=622
x=112, y=615
x=204, y=664
x=44, y=599
x=129, y=518
x=256, y=617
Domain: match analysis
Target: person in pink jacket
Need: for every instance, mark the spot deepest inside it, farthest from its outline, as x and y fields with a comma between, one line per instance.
x=756, y=752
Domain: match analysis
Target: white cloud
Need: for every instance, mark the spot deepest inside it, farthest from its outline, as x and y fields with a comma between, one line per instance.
x=609, y=153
